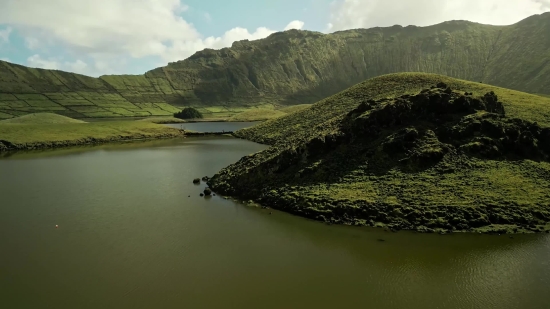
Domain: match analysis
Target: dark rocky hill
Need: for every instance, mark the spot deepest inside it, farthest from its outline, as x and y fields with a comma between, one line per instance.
x=406, y=151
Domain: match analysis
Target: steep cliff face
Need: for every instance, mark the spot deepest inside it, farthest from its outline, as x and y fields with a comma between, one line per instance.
x=303, y=67
x=292, y=67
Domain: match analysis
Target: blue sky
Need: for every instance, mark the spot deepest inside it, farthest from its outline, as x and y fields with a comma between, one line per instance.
x=96, y=37
x=253, y=14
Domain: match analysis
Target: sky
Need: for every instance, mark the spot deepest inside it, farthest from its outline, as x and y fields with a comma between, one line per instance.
x=97, y=37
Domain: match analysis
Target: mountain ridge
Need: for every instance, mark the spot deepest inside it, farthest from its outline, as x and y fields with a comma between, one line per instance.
x=290, y=67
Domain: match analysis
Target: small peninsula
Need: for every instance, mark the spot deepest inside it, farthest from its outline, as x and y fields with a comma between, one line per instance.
x=410, y=151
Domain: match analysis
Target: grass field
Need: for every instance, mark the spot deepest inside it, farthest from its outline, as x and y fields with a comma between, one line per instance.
x=350, y=159
x=41, y=118
x=163, y=120
x=47, y=131
x=295, y=108
x=261, y=114
x=258, y=114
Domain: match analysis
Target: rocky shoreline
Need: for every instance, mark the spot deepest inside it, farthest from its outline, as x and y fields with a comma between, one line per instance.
x=486, y=219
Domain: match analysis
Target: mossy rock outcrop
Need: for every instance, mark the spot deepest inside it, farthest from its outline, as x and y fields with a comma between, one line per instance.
x=436, y=160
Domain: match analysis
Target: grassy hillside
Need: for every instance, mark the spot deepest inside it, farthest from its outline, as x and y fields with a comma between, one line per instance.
x=163, y=120
x=292, y=67
x=261, y=114
x=294, y=108
x=325, y=115
x=398, y=151
x=41, y=118
x=257, y=114
x=51, y=131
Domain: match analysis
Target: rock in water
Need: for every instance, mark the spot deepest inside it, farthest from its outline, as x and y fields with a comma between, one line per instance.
x=207, y=191
x=196, y=180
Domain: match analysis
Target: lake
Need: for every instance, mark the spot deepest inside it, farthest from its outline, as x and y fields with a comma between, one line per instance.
x=134, y=233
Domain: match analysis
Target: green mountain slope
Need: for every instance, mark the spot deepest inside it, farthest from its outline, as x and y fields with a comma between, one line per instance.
x=398, y=151
x=292, y=67
x=324, y=116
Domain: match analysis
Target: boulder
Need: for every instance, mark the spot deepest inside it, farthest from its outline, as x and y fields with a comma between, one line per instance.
x=196, y=180
x=207, y=191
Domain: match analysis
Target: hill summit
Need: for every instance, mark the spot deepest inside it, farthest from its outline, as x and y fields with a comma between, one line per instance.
x=437, y=159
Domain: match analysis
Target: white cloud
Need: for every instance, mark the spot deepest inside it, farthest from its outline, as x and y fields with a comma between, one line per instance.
x=138, y=28
x=207, y=17
x=77, y=66
x=184, y=49
x=36, y=61
x=32, y=43
x=5, y=35
x=295, y=24
x=108, y=31
x=349, y=14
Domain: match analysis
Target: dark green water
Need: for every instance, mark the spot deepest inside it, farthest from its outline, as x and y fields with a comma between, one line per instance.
x=130, y=237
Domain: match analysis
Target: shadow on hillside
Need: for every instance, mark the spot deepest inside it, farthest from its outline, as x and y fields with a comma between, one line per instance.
x=323, y=90
x=344, y=74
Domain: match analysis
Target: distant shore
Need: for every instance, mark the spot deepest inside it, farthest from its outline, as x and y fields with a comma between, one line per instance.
x=48, y=131
x=6, y=146
x=16, y=136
